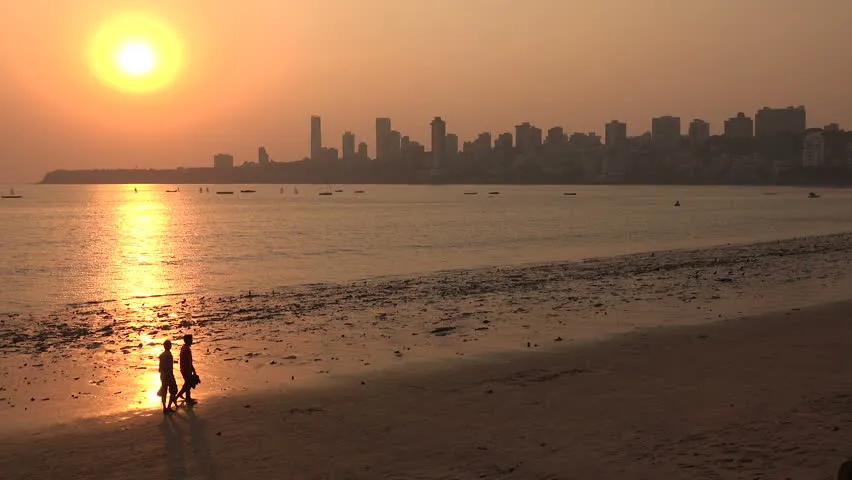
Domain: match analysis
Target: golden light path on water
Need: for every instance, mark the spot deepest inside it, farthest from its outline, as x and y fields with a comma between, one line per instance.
x=136, y=53
x=145, y=245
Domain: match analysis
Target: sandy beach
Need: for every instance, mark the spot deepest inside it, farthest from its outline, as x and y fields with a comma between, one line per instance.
x=726, y=362
x=765, y=397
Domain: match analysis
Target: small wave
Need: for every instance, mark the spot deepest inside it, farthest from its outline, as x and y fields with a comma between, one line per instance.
x=90, y=303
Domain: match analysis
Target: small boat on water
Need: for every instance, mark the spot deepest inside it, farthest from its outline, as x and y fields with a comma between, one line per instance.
x=11, y=194
x=570, y=193
x=471, y=193
x=359, y=191
x=173, y=191
x=248, y=191
x=338, y=191
x=770, y=193
x=493, y=193
x=325, y=194
x=813, y=195
x=224, y=193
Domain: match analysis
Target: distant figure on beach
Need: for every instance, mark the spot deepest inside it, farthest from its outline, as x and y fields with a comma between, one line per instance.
x=167, y=377
x=187, y=370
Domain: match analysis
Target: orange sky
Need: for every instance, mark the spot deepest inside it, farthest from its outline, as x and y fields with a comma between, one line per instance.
x=256, y=70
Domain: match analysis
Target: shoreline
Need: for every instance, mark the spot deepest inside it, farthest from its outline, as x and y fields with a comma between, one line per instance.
x=100, y=359
x=757, y=397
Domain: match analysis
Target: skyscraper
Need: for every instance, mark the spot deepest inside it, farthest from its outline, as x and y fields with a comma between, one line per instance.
x=363, y=151
x=665, y=132
x=699, y=131
x=739, y=126
x=615, y=134
x=262, y=157
x=348, y=146
x=383, y=132
x=439, y=142
x=452, y=146
x=774, y=121
x=527, y=138
x=316, y=137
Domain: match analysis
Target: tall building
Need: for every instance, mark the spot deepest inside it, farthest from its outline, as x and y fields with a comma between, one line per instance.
x=769, y=122
x=439, y=142
x=615, y=134
x=504, y=142
x=665, y=132
x=316, y=137
x=223, y=161
x=363, y=151
x=383, y=132
x=394, y=146
x=348, y=146
x=813, y=149
x=699, y=131
x=262, y=157
x=739, y=126
x=527, y=138
x=452, y=146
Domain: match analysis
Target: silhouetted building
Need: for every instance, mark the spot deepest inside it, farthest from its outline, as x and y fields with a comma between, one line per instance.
x=555, y=136
x=439, y=142
x=813, y=149
x=394, y=145
x=739, y=126
x=223, y=161
x=615, y=134
x=452, y=146
x=316, y=137
x=774, y=121
x=699, y=131
x=383, y=133
x=262, y=157
x=504, y=142
x=832, y=127
x=348, y=146
x=363, y=151
x=330, y=154
x=665, y=132
x=527, y=138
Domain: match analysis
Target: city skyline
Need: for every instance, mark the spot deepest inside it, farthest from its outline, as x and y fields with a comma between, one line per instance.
x=248, y=74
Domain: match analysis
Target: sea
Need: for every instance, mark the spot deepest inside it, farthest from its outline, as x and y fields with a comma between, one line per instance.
x=63, y=246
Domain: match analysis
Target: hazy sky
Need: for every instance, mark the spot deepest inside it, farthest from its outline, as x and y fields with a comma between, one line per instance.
x=255, y=70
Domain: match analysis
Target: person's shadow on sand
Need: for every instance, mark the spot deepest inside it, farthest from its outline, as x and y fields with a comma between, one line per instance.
x=179, y=430
x=845, y=472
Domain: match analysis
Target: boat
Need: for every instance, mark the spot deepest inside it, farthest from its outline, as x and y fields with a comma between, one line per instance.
x=11, y=194
x=770, y=193
x=493, y=193
x=325, y=194
x=569, y=193
x=248, y=191
x=359, y=191
x=471, y=193
x=338, y=191
x=224, y=193
x=173, y=191
x=813, y=195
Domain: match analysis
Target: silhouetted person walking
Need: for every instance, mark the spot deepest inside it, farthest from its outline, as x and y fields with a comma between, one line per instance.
x=187, y=370
x=167, y=377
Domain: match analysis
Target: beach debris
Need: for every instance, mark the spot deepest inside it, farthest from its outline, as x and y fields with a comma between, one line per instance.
x=443, y=331
x=557, y=339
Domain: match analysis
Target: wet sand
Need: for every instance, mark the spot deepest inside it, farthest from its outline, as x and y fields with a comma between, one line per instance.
x=765, y=397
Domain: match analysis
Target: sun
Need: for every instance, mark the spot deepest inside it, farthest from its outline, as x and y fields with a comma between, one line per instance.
x=137, y=58
x=136, y=53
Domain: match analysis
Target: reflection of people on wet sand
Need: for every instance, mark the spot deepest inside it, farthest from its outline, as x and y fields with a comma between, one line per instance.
x=167, y=377
x=187, y=370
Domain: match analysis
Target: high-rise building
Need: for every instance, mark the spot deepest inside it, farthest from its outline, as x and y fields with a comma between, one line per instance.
x=813, y=149
x=452, y=146
x=316, y=137
x=330, y=154
x=394, y=145
x=665, y=132
x=439, y=142
x=348, y=146
x=555, y=136
x=739, y=126
x=504, y=142
x=223, y=161
x=262, y=157
x=699, y=131
x=769, y=122
x=383, y=132
x=615, y=134
x=527, y=138
x=363, y=151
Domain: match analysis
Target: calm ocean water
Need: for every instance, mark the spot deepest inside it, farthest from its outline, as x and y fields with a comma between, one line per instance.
x=63, y=245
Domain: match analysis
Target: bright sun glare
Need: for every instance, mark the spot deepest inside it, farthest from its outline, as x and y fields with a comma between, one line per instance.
x=136, y=53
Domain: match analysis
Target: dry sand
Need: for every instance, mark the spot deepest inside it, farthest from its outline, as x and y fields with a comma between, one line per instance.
x=767, y=397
